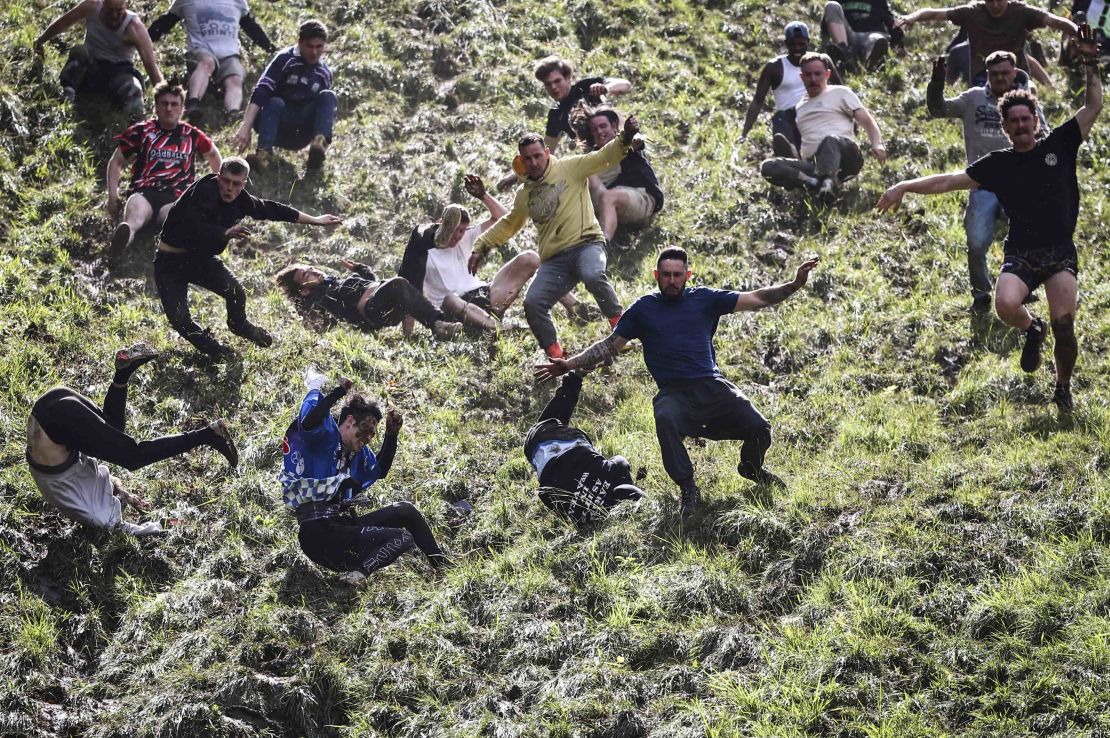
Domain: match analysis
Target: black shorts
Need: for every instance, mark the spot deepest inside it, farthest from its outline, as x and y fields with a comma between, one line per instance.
x=1035, y=268
x=478, y=296
x=158, y=199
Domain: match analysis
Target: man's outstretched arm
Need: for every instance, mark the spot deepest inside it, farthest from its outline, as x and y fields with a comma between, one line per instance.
x=602, y=352
x=1092, y=102
x=768, y=296
x=934, y=184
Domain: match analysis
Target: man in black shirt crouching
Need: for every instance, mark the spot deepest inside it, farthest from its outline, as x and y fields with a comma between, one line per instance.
x=576, y=480
x=1036, y=184
x=198, y=227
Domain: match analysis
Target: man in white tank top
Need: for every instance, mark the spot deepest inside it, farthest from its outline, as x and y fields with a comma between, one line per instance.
x=104, y=63
x=782, y=76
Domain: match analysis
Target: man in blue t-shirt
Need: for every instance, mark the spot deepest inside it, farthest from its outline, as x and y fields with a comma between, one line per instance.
x=326, y=462
x=676, y=326
x=1035, y=181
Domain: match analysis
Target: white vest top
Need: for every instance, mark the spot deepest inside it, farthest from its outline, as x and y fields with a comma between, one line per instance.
x=790, y=91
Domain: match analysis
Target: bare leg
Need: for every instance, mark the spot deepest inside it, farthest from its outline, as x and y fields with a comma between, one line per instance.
x=161, y=217
x=1008, y=294
x=198, y=81
x=456, y=308
x=612, y=206
x=136, y=214
x=233, y=92
x=407, y=324
x=1061, y=291
x=128, y=498
x=510, y=280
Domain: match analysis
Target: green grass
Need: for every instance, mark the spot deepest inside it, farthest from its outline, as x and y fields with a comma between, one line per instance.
x=936, y=566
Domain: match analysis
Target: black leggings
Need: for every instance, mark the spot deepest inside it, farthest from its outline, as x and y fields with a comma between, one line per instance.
x=395, y=299
x=173, y=273
x=369, y=542
x=73, y=420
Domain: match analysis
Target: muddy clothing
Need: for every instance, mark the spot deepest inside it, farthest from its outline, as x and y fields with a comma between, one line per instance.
x=164, y=160
x=579, y=482
x=636, y=172
x=392, y=300
x=199, y=219
x=106, y=44
x=342, y=541
x=558, y=117
x=987, y=34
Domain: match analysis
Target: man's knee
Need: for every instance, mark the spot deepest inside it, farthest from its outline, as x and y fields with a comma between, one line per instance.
x=1064, y=326
x=527, y=261
x=326, y=97
x=834, y=11
x=206, y=65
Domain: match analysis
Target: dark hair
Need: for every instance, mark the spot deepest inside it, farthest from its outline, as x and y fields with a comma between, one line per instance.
x=549, y=64
x=581, y=115
x=997, y=57
x=285, y=280
x=312, y=29
x=360, y=408
x=812, y=56
x=1013, y=98
x=235, y=165
x=672, y=252
x=168, y=88
x=528, y=139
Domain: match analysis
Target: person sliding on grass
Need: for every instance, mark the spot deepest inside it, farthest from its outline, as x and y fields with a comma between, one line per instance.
x=556, y=196
x=326, y=463
x=676, y=326
x=1036, y=184
x=361, y=299
x=68, y=436
x=577, y=480
x=198, y=228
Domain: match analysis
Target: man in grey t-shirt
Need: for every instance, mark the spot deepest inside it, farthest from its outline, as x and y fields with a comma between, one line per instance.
x=213, y=27
x=978, y=108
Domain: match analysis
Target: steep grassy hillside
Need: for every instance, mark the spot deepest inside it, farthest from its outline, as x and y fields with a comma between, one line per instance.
x=936, y=566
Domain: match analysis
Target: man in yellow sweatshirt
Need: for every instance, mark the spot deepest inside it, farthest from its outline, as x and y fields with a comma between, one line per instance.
x=556, y=196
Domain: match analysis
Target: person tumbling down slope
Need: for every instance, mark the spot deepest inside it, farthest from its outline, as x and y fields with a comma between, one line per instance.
x=1035, y=182
x=199, y=226
x=361, y=299
x=68, y=436
x=577, y=480
x=326, y=462
x=556, y=197
x=676, y=326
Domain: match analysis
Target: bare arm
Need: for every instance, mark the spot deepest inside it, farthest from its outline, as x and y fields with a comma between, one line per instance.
x=1092, y=100
x=927, y=15
x=863, y=117
x=934, y=184
x=768, y=296
x=112, y=178
x=215, y=161
x=755, y=107
x=137, y=35
x=60, y=24
x=477, y=189
x=242, y=137
x=552, y=142
x=616, y=86
x=604, y=351
x=1063, y=25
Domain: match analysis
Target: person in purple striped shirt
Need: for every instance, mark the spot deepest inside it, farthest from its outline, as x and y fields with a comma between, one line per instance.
x=293, y=104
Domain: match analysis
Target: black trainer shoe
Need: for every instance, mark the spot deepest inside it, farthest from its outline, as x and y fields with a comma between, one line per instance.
x=256, y=334
x=760, y=476
x=222, y=442
x=135, y=356
x=207, y=344
x=981, y=304
x=121, y=236
x=689, y=500
x=1062, y=398
x=1034, y=338
x=781, y=146
x=877, y=57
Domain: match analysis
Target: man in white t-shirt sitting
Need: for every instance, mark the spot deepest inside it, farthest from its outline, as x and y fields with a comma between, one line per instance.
x=436, y=257
x=826, y=116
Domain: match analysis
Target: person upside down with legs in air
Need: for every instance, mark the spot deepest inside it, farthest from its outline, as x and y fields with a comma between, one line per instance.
x=199, y=226
x=360, y=299
x=676, y=326
x=68, y=437
x=576, y=479
x=436, y=259
x=1036, y=184
x=326, y=462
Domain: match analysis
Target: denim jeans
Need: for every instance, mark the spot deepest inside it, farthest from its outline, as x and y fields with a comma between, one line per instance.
x=785, y=122
x=983, y=210
x=293, y=126
x=557, y=276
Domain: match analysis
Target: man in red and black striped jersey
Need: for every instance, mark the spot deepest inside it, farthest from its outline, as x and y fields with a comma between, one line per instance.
x=162, y=153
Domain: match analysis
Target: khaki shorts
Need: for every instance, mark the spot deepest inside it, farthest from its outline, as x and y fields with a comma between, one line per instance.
x=229, y=66
x=640, y=208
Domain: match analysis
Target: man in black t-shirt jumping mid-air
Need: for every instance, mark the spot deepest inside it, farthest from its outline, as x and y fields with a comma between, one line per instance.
x=1036, y=184
x=676, y=326
x=557, y=76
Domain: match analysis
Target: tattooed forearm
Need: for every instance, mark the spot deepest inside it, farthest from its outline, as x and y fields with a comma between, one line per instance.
x=601, y=352
x=775, y=294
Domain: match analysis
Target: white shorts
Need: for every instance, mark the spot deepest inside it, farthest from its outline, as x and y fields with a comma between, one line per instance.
x=640, y=208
